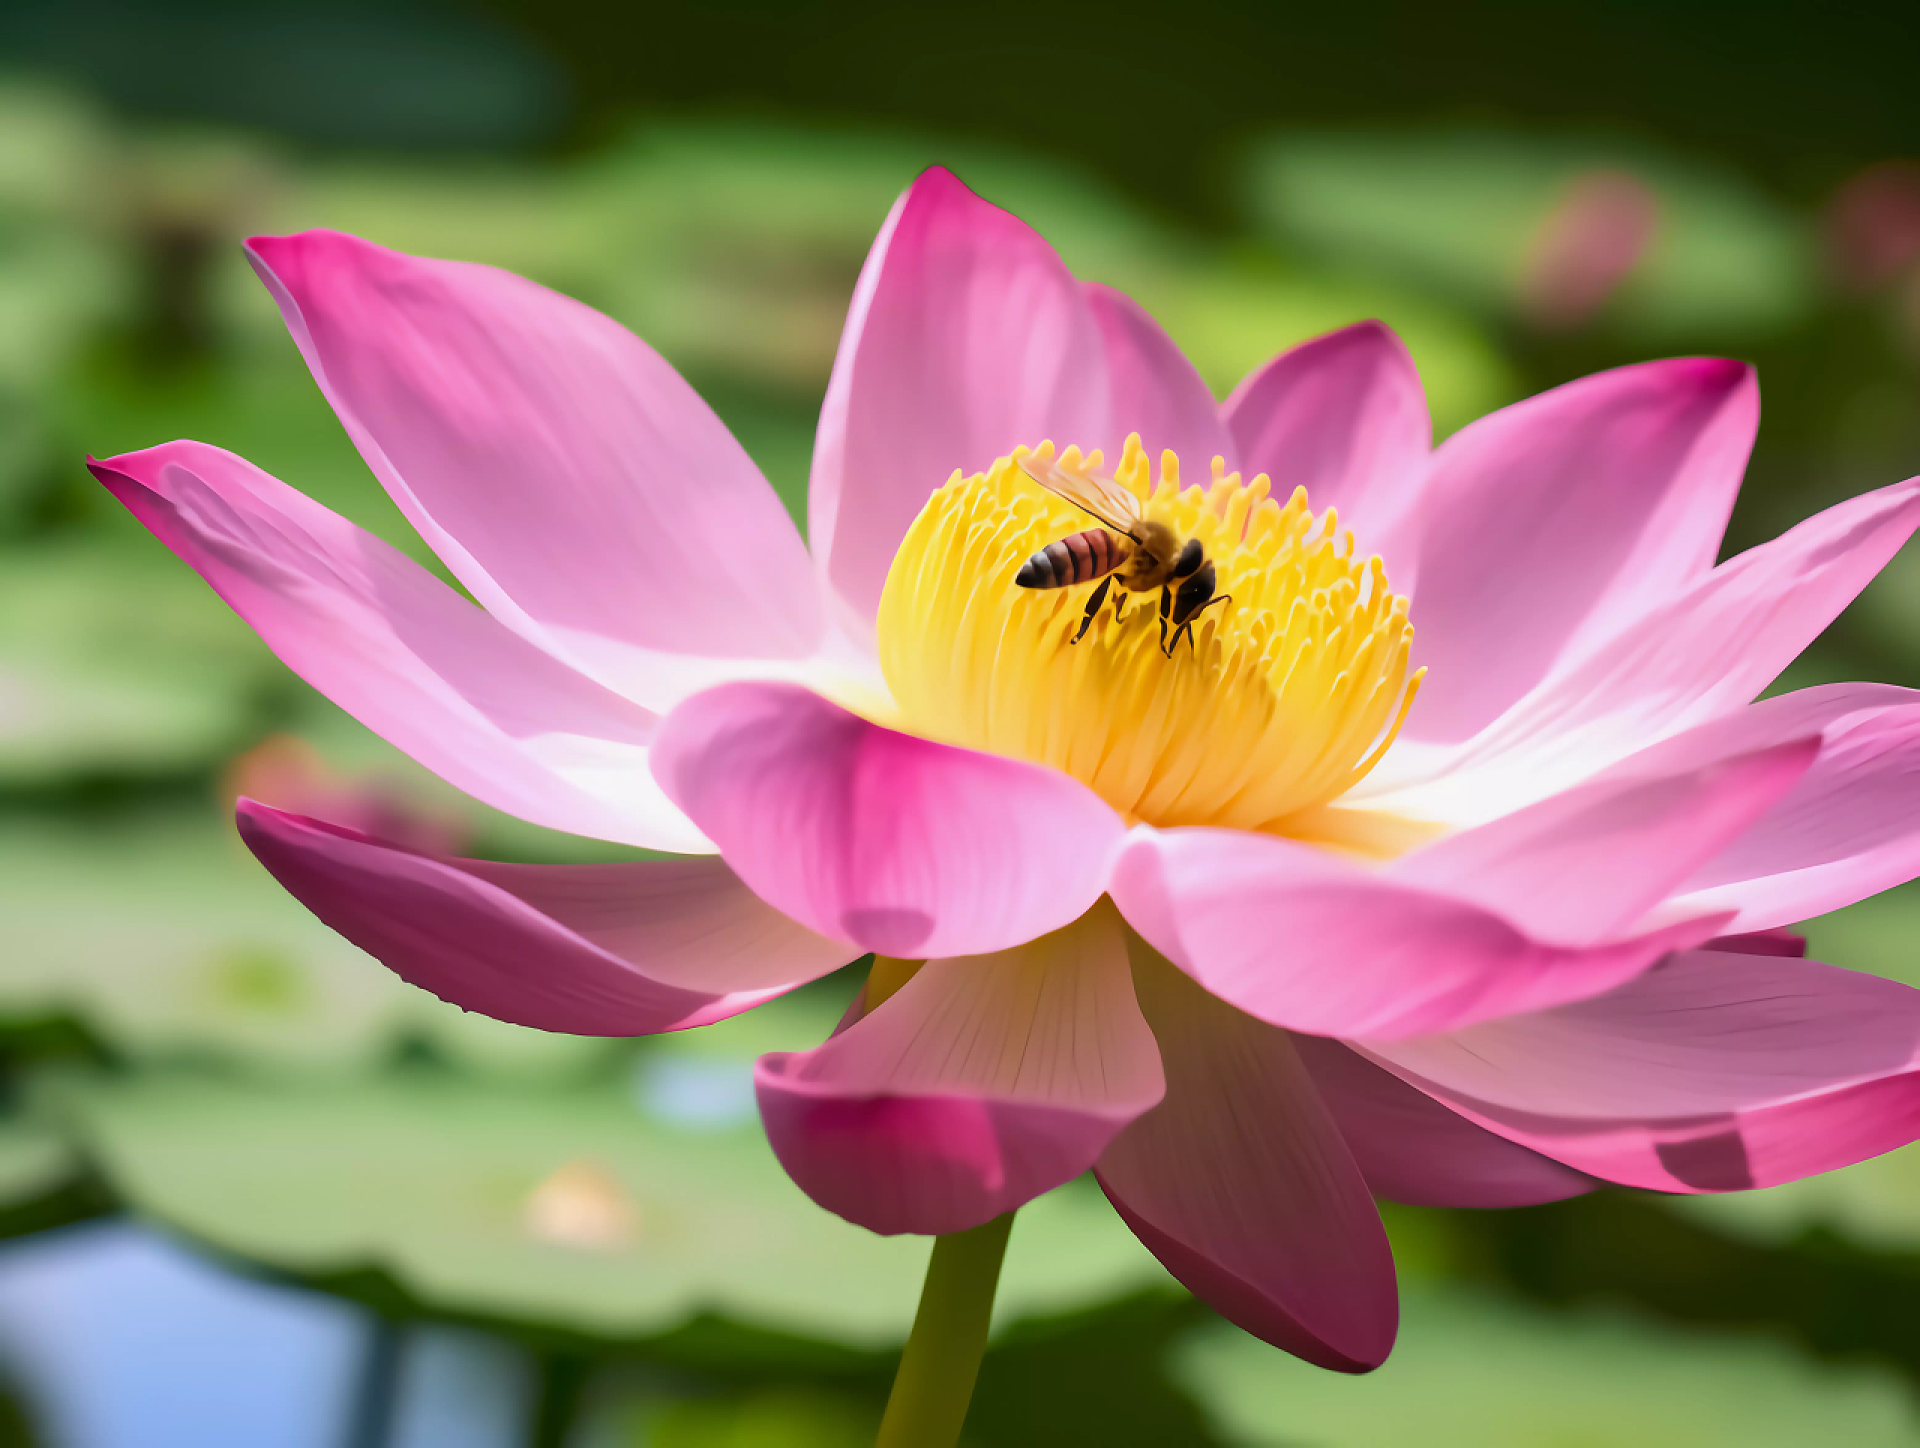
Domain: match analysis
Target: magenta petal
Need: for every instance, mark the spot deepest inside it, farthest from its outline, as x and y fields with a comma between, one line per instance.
x=967, y=336
x=1713, y=1071
x=1412, y=1149
x=1849, y=829
x=1546, y=524
x=908, y=847
x=1710, y=649
x=593, y=950
x=1343, y=416
x=565, y=473
x=1240, y=1184
x=981, y=1083
x=401, y=652
x=1304, y=940
x=1587, y=864
x=1156, y=392
x=1761, y=942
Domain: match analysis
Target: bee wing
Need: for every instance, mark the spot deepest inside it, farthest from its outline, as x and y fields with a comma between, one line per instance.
x=1088, y=491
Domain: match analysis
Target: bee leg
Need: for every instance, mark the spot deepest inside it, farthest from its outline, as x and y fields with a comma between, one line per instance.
x=1119, y=605
x=1187, y=627
x=1093, y=608
x=1166, y=607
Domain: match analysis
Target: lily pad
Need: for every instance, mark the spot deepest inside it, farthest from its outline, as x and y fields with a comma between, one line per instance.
x=732, y=247
x=1475, y=1371
x=36, y=1160
x=573, y=1209
x=776, y=224
x=166, y=940
x=116, y=661
x=253, y=397
x=1465, y=212
x=1231, y=314
x=60, y=276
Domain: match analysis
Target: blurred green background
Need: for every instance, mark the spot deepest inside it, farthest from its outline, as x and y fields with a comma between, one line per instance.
x=257, y=1191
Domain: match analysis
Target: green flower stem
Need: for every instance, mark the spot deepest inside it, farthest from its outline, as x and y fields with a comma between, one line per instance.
x=935, y=1380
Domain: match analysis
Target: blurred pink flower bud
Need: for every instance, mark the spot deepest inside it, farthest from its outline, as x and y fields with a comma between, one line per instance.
x=1586, y=247
x=1873, y=226
x=287, y=772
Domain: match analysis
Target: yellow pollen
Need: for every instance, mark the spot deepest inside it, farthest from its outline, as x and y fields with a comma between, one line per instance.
x=1291, y=693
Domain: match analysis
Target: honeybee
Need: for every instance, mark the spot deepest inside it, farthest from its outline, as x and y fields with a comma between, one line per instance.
x=1146, y=555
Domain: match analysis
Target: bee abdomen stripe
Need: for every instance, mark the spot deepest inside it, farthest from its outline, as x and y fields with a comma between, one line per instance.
x=1038, y=572
x=1059, y=559
x=1082, y=551
x=1080, y=558
x=1102, y=546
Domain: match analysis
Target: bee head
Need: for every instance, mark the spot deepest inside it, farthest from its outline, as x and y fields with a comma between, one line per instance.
x=1192, y=555
x=1194, y=591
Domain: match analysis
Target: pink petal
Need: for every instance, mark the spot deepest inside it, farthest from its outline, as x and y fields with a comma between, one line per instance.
x=1687, y=663
x=1545, y=524
x=967, y=336
x=1156, y=392
x=1240, y=1184
x=1712, y=1071
x=401, y=651
x=579, y=489
x=1849, y=829
x=1412, y=1149
x=1587, y=864
x=593, y=950
x=1717, y=645
x=1343, y=416
x=979, y=1084
x=908, y=847
x=1761, y=942
x=1305, y=940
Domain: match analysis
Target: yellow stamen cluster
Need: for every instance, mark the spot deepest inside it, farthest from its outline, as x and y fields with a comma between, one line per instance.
x=1290, y=695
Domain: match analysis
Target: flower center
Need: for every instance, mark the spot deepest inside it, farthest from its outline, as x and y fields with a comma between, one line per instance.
x=1284, y=697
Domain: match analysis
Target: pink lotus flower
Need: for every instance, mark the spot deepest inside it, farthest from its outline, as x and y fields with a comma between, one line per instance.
x=1186, y=921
